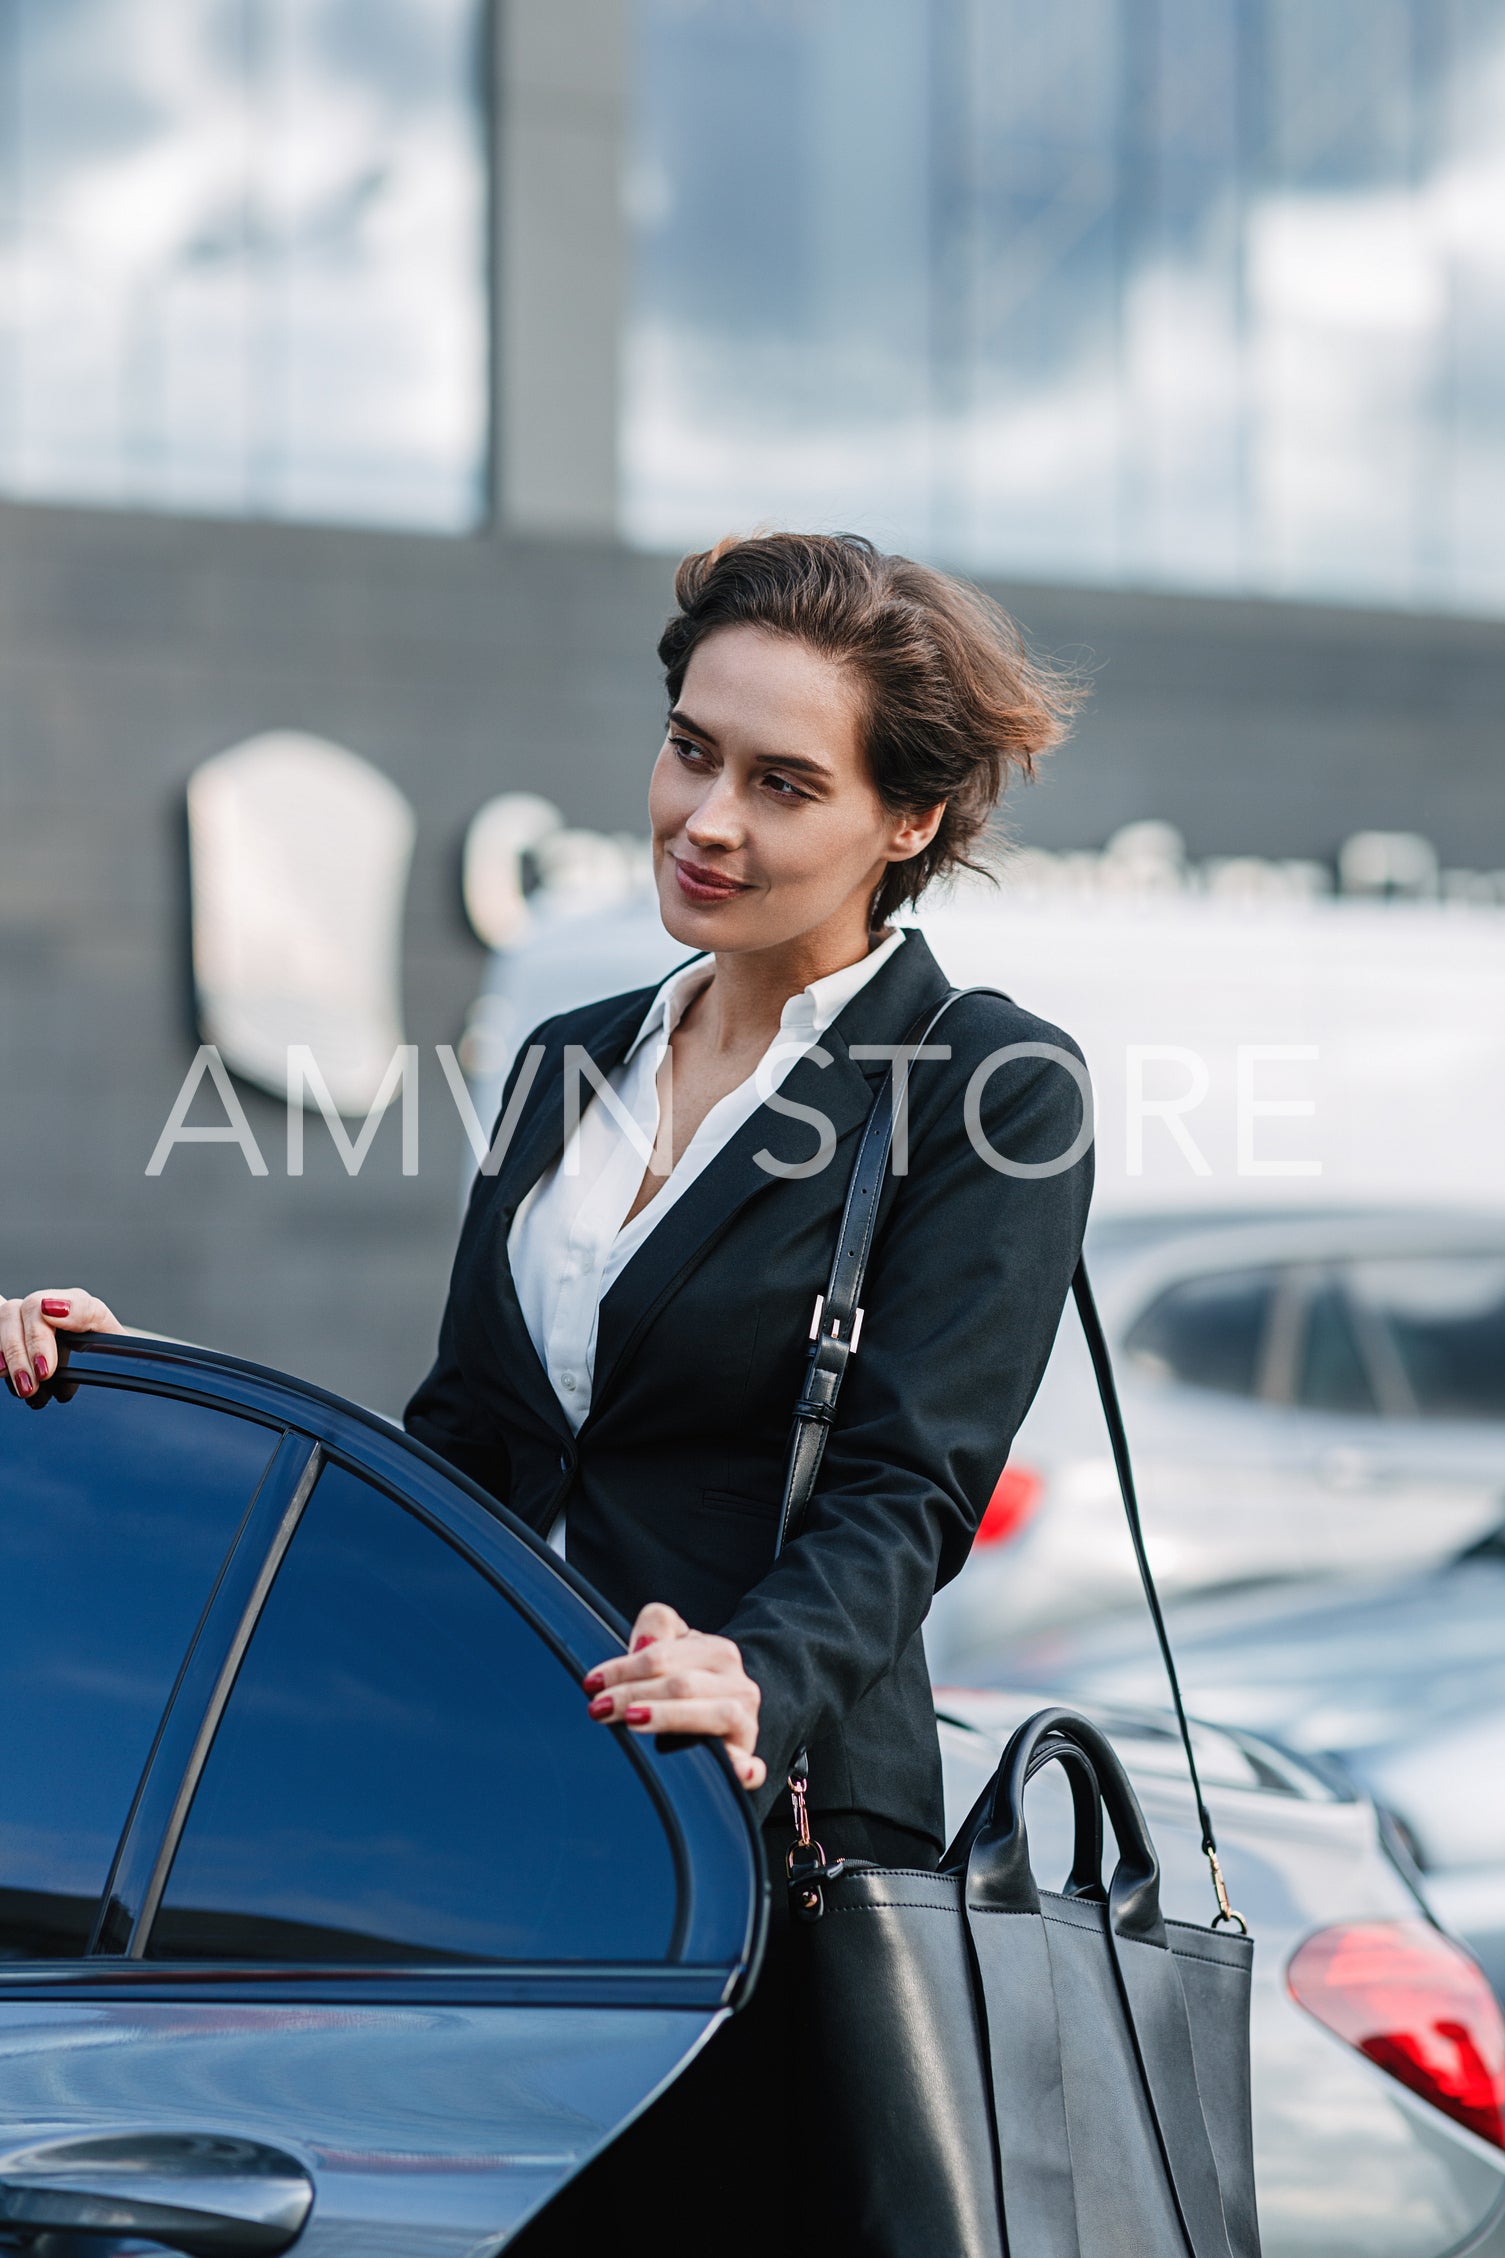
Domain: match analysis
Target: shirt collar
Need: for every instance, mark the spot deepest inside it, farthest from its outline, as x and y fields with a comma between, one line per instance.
x=807, y=1014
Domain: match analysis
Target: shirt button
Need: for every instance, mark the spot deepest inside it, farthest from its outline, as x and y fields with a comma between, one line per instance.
x=567, y=1382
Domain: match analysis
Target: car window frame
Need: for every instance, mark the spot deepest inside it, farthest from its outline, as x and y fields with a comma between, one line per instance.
x=714, y=1951
x=1374, y=1327
x=1164, y=1288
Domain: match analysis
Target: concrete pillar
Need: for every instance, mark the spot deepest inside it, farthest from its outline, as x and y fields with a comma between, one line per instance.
x=559, y=123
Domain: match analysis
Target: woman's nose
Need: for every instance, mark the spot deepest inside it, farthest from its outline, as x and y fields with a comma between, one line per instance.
x=717, y=819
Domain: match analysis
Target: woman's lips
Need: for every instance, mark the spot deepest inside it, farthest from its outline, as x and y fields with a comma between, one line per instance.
x=698, y=884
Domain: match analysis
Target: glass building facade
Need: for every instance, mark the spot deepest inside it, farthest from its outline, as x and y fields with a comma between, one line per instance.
x=242, y=257
x=1190, y=293
x=1199, y=293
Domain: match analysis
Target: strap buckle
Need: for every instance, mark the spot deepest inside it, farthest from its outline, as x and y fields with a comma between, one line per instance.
x=833, y=1330
x=1225, y=1910
x=804, y=1861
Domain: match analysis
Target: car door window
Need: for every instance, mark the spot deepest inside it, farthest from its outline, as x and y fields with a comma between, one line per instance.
x=116, y=1511
x=406, y=1772
x=1444, y=1317
x=1332, y=1375
x=1208, y=1332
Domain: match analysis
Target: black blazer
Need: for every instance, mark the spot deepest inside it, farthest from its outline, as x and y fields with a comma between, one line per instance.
x=674, y=1482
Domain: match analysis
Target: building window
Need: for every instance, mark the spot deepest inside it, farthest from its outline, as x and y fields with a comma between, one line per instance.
x=1198, y=293
x=242, y=258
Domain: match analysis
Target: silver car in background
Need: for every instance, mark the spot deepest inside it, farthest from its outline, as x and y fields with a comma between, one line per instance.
x=1306, y=1395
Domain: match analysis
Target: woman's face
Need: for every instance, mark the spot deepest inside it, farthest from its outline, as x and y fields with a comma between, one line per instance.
x=767, y=826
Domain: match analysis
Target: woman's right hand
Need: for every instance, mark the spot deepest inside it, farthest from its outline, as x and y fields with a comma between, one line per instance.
x=29, y=1329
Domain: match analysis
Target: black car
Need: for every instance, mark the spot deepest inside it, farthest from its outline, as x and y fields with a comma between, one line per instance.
x=316, y=1879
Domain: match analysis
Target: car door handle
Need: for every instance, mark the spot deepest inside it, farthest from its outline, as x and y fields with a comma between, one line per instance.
x=204, y=2193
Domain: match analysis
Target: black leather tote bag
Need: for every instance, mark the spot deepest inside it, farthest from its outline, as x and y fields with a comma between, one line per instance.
x=991, y=2069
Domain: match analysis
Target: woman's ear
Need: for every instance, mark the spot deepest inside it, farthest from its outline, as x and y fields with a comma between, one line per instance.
x=913, y=833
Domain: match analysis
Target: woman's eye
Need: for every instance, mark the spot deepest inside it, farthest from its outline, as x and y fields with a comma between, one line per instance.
x=783, y=788
x=688, y=750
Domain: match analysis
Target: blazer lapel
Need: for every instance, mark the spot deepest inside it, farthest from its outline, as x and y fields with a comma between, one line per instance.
x=536, y=1143
x=843, y=1091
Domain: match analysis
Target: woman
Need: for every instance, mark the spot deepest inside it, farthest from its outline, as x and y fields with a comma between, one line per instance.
x=632, y=1296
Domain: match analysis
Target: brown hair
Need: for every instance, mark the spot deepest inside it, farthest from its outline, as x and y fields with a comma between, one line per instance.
x=954, y=701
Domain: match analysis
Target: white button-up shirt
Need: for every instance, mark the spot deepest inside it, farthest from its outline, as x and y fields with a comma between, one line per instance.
x=570, y=1235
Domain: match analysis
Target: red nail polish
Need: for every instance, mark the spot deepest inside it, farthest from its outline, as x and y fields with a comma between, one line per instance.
x=593, y=1681
x=56, y=1308
x=23, y=1382
x=41, y=1367
x=639, y=1644
x=636, y=1716
x=602, y=1705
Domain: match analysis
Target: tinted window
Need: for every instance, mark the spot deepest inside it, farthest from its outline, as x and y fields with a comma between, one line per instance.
x=1446, y=1317
x=405, y=1771
x=1207, y=1332
x=116, y=1511
x=1333, y=1376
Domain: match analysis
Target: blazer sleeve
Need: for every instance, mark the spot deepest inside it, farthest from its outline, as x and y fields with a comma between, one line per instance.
x=969, y=1273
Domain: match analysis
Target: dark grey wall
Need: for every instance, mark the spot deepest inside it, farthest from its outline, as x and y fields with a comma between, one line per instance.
x=132, y=647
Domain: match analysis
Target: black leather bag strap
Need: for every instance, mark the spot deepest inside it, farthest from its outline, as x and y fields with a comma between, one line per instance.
x=1102, y=1367
x=836, y=1326
x=834, y=1333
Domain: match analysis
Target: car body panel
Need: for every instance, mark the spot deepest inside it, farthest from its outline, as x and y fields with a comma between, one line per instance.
x=433, y=2131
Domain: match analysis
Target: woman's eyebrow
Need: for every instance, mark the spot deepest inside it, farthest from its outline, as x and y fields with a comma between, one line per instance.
x=801, y=762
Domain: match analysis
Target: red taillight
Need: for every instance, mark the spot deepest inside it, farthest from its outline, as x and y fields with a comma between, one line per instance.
x=1418, y=2006
x=1016, y=1493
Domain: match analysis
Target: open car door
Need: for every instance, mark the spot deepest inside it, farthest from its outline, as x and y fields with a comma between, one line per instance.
x=327, y=1915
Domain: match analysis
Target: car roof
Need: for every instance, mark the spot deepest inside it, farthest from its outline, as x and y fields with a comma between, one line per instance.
x=1192, y=1240
x=1149, y=1743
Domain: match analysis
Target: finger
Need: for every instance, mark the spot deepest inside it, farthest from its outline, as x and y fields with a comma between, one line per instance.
x=723, y=1719
x=656, y=1621
x=75, y=1311
x=667, y=1685
x=12, y=1345
x=691, y=1652
x=38, y=1344
x=17, y=1357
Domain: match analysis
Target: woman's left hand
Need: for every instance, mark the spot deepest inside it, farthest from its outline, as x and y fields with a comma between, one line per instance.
x=676, y=1680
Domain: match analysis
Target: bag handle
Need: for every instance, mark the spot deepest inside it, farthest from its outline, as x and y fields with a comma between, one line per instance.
x=1086, y=1876
x=835, y=1329
x=1000, y=1873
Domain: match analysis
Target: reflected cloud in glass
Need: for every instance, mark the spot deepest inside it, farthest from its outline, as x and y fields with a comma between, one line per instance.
x=1204, y=294
x=242, y=253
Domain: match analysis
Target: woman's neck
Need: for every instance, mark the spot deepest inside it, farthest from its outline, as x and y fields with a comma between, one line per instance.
x=744, y=1002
